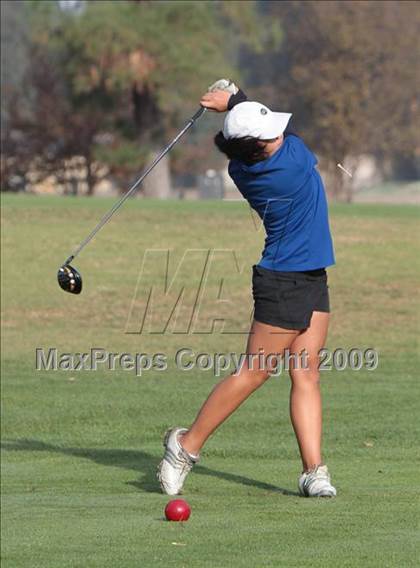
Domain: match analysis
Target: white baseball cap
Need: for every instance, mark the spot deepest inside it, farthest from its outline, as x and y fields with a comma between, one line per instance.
x=254, y=119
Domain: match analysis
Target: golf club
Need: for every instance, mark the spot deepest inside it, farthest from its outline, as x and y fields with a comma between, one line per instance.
x=68, y=277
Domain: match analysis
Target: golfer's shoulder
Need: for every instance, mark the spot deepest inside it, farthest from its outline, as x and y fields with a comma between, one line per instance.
x=294, y=143
x=297, y=153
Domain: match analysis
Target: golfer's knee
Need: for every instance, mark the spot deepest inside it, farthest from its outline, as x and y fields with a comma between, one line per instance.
x=307, y=374
x=257, y=376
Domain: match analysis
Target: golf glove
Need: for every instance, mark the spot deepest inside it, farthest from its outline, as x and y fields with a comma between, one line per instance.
x=238, y=96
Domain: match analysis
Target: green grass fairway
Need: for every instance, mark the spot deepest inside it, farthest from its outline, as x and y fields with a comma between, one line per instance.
x=80, y=449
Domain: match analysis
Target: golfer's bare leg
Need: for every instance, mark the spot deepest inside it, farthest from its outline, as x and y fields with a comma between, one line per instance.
x=234, y=389
x=305, y=395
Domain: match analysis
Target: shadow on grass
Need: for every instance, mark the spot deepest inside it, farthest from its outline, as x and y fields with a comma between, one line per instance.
x=135, y=460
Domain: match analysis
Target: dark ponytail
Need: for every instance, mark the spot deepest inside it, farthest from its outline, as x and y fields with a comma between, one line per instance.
x=247, y=150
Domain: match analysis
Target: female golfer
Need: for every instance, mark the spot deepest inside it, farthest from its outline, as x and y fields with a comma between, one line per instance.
x=276, y=173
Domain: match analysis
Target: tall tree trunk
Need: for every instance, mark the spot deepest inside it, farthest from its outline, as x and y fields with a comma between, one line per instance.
x=158, y=182
x=334, y=182
x=90, y=178
x=147, y=118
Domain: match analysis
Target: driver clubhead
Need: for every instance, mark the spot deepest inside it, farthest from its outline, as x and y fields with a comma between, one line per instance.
x=69, y=279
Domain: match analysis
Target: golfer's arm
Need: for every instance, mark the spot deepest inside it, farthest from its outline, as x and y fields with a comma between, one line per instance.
x=237, y=98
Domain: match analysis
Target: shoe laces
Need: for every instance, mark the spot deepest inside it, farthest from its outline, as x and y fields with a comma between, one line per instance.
x=186, y=467
x=319, y=472
x=185, y=459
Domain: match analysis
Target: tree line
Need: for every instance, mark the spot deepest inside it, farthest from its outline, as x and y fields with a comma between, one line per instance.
x=110, y=81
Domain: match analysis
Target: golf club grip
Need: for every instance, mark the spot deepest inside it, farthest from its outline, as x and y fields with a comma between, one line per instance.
x=126, y=195
x=199, y=113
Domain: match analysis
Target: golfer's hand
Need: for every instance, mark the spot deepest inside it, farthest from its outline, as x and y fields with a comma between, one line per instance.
x=216, y=100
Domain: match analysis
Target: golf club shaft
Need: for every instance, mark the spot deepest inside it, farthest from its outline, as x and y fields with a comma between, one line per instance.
x=126, y=195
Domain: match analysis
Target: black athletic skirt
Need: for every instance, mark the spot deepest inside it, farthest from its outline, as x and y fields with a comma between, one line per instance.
x=287, y=299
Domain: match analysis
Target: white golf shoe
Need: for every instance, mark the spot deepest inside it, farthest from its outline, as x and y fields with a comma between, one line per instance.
x=316, y=483
x=176, y=463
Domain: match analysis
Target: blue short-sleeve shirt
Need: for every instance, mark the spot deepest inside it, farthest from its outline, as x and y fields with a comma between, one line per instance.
x=287, y=192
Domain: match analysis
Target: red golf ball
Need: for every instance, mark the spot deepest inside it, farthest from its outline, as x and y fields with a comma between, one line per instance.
x=177, y=510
